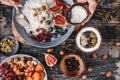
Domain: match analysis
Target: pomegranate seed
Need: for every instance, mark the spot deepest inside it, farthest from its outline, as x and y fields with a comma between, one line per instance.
x=38, y=29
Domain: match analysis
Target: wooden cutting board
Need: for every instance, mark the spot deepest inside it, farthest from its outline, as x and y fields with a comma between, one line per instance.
x=17, y=36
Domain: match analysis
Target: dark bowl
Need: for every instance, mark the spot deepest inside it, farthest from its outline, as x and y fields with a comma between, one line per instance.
x=34, y=42
x=14, y=50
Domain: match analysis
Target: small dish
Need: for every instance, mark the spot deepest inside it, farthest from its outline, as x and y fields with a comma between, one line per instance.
x=14, y=50
x=72, y=73
x=79, y=8
x=88, y=39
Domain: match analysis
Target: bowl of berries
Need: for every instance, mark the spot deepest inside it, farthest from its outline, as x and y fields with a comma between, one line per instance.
x=43, y=24
x=72, y=65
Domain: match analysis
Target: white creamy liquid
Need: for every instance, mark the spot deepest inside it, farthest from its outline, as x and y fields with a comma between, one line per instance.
x=79, y=13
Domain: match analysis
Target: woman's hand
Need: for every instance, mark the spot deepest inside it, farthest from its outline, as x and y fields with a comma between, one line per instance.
x=11, y=2
x=92, y=6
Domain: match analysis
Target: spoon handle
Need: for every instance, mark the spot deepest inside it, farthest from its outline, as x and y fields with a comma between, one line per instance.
x=16, y=7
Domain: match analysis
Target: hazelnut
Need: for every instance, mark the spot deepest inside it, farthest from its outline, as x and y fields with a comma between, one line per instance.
x=35, y=14
x=84, y=76
x=43, y=8
x=41, y=21
x=50, y=50
x=108, y=74
x=104, y=56
x=90, y=69
x=117, y=43
x=43, y=18
x=62, y=52
x=94, y=55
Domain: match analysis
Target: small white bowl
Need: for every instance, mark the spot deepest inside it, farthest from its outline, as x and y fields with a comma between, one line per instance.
x=80, y=33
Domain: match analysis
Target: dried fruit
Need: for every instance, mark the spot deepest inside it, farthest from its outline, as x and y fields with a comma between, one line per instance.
x=50, y=50
x=50, y=60
x=39, y=67
x=84, y=76
x=59, y=2
x=42, y=75
x=72, y=64
x=62, y=52
x=90, y=69
x=108, y=73
x=65, y=9
x=94, y=55
x=36, y=76
x=59, y=20
x=28, y=78
x=56, y=9
x=105, y=56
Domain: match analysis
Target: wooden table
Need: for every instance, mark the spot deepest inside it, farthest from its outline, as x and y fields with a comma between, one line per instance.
x=110, y=31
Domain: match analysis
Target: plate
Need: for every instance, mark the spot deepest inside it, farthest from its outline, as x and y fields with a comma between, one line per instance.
x=24, y=55
x=14, y=50
x=34, y=42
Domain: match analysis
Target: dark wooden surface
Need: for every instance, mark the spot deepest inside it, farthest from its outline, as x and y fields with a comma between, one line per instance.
x=110, y=32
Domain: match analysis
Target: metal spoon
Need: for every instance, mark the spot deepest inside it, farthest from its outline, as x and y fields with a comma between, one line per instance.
x=20, y=18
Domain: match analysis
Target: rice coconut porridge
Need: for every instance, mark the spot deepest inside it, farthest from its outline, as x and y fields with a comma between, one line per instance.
x=40, y=17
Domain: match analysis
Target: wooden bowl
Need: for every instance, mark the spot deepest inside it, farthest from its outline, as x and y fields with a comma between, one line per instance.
x=72, y=74
x=68, y=13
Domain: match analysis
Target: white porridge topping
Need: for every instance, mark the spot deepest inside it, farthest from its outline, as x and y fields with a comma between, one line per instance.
x=78, y=14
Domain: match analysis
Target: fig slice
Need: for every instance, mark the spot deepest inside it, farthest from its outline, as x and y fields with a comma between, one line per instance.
x=59, y=20
x=50, y=60
x=56, y=9
x=59, y=2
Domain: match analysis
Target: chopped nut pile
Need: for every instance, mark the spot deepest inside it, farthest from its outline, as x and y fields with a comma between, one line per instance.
x=7, y=45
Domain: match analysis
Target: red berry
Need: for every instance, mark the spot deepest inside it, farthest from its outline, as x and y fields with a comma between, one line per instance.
x=38, y=29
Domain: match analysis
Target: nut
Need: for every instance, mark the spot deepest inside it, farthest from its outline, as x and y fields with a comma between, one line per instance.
x=50, y=50
x=62, y=52
x=84, y=76
x=10, y=61
x=105, y=56
x=94, y=55
x=90, y=69
x=34, y=62
x=117, y=43
x=108, y=74
x=15, y=59
x=22, y=59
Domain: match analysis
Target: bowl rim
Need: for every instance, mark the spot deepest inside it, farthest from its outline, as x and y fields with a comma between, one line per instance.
x=89, y=26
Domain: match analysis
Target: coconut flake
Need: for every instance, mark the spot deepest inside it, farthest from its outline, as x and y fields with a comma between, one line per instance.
x=79, y=14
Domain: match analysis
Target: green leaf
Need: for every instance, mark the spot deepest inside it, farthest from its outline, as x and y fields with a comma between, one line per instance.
x=111, y=17
x=103, y=19
x=99, y=13
x=103, y=10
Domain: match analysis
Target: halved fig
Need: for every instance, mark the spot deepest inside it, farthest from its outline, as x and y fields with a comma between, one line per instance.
x=59, y=2
x=65, y=9
x=59, y=20
x=56, y=9
x=50, y=60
